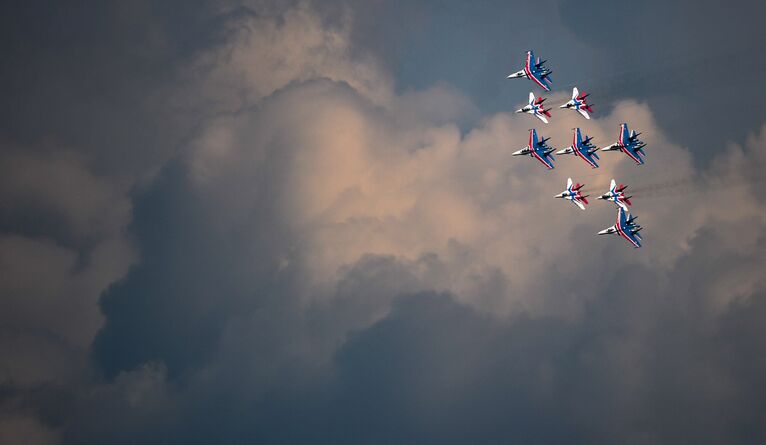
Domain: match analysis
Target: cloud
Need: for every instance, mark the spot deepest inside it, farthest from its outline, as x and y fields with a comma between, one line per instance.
x=26, y=430
x=63, y=242
x=330, y=259
x=336, y=254
x=265, y=52
x=353, y=179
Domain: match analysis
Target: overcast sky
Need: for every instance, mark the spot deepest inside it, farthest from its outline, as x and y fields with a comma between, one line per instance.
x=261, y=221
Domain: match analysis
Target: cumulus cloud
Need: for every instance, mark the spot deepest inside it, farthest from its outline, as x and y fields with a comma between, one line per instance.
x=63, y=242
x=270, y=47
x=320, y=208
x=354, y=179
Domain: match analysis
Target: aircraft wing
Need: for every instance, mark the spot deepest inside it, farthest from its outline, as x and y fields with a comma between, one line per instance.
x=588, y=157
x=583, y=151
x=624, y=230
x=538, y=79
x=579, y=204
x=630, y=150
x=534, y=73
x=541, y=117
x=543, y=157
x=537, y=150
x=545, y=161
x=584, y=113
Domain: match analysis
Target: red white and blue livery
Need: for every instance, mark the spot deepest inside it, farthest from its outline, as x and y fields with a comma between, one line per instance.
x=534, y=70
x=579, y=104
x=536, y=108
x=574, y=194
x=616, y=194
x=625, y=227
x=582, y=148
x=628, y=143
x=538, y=149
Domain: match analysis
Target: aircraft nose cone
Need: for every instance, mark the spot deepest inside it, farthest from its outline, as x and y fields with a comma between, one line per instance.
x=562, y=152
x=520, y=110
x=564, y=106
x=604, y=232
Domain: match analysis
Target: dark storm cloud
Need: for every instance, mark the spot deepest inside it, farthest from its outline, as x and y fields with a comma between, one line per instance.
x=645, y=363
x=98, y=77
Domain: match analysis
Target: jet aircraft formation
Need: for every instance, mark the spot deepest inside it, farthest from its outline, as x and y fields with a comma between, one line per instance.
x=627, y=142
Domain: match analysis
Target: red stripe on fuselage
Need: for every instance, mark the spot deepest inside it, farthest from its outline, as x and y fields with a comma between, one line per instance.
x=528, y=71
x=622, y=232
x=577, y=151
x=624, y=148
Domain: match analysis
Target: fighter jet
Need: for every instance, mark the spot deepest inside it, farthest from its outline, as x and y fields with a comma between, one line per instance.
x=625, y=227
x=536, y=108
x=582, y=148
x=578, y=103
x=616, y=194
x=535, y=70
x=628, y=143
x=573, y=194
x=538, y=150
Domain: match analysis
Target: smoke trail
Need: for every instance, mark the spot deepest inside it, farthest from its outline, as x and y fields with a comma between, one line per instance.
x=699, y=183
x=676, y=186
